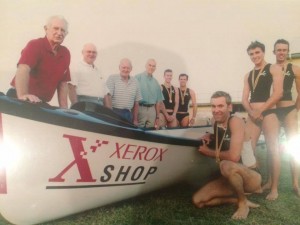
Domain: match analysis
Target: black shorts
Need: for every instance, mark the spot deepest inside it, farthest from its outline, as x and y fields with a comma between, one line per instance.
x=180, y=116
x=280, y=112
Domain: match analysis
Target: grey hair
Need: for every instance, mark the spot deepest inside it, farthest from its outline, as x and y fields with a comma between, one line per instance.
x=224, y=94
x=50, y=19
x=126, y=60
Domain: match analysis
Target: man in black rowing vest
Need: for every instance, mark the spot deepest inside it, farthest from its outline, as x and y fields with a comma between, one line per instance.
x=233, y=179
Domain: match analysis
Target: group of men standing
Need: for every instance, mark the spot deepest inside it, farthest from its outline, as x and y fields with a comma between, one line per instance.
x=44, y=68
x=140, y=99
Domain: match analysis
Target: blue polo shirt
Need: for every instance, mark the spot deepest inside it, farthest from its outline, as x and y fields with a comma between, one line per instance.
x=150, y=89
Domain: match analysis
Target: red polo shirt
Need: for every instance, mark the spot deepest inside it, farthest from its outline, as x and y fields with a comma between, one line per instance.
x=47, y=69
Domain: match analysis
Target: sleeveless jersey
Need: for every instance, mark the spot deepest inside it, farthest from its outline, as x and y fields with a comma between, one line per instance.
x=165, y=92
x=261, y=92
x=289, y=77
x=226, y=141
x=186, y=99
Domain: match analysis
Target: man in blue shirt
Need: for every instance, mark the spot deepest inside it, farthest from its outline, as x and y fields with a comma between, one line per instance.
x=149, y=106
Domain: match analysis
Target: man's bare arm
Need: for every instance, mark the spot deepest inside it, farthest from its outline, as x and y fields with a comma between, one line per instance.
x=107, y=101
x=135, y=111
x=194, y=105
x=176, y=102
x=72, y=93
x=296, y=70
x=246, y=94
x=22, y=84
x=62, y=94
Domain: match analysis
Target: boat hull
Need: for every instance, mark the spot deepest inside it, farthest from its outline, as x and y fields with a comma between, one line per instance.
x=49, y=170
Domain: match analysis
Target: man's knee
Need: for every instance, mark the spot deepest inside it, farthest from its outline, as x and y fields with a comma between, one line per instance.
x=227, y=167
x=253, y=184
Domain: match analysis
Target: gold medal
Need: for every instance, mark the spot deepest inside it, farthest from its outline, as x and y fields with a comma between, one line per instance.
x=284, y=69
x=169, y=90
x=182, y=96
x=254, y=83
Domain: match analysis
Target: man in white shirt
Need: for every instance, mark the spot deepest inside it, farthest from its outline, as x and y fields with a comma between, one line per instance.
x=86, y=83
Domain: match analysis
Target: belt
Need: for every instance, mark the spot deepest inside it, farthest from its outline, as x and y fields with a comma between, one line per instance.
x=146, y=105
x=91, y=97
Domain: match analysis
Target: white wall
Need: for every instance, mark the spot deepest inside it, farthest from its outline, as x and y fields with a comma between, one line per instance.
x=206, y=39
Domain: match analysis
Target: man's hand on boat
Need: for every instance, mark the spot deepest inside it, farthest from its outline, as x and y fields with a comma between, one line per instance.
x=30, y=98
x=204, y=149
x=156, y=123
x=206, y=138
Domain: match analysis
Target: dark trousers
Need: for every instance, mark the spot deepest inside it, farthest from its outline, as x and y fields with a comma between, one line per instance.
x=125, y=113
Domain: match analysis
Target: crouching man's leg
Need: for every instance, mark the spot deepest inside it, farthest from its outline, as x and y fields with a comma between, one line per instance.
x=241, y=180
x=214, y=193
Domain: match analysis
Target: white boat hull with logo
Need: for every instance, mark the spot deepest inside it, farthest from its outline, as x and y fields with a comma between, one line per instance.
x=58, y=162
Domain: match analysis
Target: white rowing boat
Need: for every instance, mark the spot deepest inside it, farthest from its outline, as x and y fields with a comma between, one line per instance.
x=56, y=162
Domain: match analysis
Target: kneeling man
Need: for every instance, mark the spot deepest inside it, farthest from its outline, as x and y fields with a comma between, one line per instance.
x=226, y=144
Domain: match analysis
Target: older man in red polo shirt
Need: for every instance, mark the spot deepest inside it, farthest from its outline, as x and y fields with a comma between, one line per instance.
x=44, y=66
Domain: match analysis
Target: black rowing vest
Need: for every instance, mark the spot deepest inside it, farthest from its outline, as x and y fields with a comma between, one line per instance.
x=289, y=78
x=261, y=93
x=186, y=100
x=165, y=92
x=226, y=142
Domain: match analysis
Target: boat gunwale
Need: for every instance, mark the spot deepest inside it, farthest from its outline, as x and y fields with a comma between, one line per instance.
x=74, y=119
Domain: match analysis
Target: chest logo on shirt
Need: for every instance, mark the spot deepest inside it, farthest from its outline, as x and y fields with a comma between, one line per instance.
x=287, y=73
x=227, y=138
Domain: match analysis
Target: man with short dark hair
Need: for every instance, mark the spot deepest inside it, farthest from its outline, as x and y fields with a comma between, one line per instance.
x=234, y=179
x=169, y=105
x=185, y=96
x=262, y=90
x=287, y=109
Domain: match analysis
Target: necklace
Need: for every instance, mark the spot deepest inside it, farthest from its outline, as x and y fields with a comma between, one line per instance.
x=218, y=147
x=182, y=96
x=284, y=69
x=254, y=83
x=170, y=93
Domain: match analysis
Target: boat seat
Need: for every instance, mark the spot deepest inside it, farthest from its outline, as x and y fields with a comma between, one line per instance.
x=101, y=112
